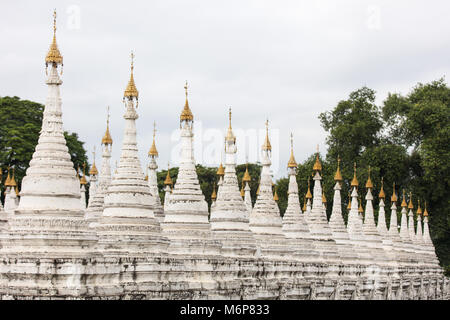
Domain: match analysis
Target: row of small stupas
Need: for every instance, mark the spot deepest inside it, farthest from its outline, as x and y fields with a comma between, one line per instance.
x=127, y=245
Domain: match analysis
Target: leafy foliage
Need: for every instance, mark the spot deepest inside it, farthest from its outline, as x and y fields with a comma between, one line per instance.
x=20, y=124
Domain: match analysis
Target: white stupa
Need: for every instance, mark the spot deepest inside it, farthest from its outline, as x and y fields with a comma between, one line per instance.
x=128, y=224
x=230, y=218
x=153, y=180
x=265, y=219
x=186, y=213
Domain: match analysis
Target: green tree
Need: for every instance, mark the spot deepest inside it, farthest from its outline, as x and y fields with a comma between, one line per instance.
x=421, y=121
x=20, y=124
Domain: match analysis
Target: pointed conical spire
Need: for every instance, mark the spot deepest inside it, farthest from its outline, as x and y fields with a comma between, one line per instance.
x=168, y=181
x=355, y=182
x=13, y=182
x=324, y=199
x=349, y=204
x=394, y=195
x=214, y=194
x=425, y=212
x=338, y=175
x=369, y=184
x=230, y=135
x=93, y=171
x=410, y=203
x=308, y=193
x=304, y=204
x=107, y=140
x=382, y=195
x=242, y=190
x=83, y=180
x=186, y=114
x=53, y=55
x=131, y=90
x=360, y=208
x=246, y=177
x=292, y=163
x=8, y=177
x=267, y=146
x=404, y=205
x=317, y=165
x=220, y=171
x=10, y=182
x=419, y=209
x=275, y=195
x=153, y=152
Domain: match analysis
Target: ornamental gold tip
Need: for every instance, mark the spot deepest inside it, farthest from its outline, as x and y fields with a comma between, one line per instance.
x=131, y=90
x=54, y=55
x=382, y=195
x=267, y=146
x=186, y=114
x=153, y=152
x=168, y=181
x=338, y=175
x=355, y=182
x=246, y=177
x=107, y=140
x=292, y=163
x=369, y=184
x=220, y=171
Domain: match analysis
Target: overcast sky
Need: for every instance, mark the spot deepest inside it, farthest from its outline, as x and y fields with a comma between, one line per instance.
x=282, y=60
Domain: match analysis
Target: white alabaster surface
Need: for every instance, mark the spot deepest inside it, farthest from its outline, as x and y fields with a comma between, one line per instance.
x=229, y=219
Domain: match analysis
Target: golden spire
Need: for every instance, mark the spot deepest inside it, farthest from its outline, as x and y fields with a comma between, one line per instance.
x=213, y=194
x=308, y=193
x=324, y=199
x=275, y=196
x=230, y=136
x=304, y=204
x=369, y=184
x=93, y=170
x=131, y=91
x=12, y=181
x=168, y=181
x=8, y=178
x=355, y=182
x=107, y=137
x=17, y=190
x=382, y=195
x=338, y=175
x=394, y=196
x=419, y=209
x=410, y=204
x=425, y=213
x=292, y=163
x=349, y=204
x=360, y=209
x=186, y=114
x=246, y=177
x=53, y=55
x=404, y=205
x=221, y=170
x=317, y=165
x=267, y=146
x=153, y=152
x=83, y=178
x=242, y=190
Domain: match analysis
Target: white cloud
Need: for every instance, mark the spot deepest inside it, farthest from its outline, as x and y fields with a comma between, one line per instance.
x=286, y=60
